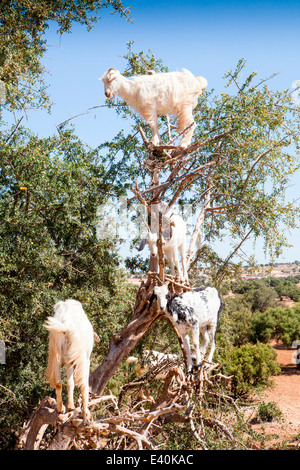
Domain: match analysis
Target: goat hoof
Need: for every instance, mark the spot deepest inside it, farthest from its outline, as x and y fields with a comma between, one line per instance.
x=61, y=410
x=87, y=417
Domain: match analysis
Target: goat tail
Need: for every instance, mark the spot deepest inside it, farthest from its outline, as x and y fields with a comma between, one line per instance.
x=203, y=82
x=53, y=324
x=56, y=330
x=55, y=357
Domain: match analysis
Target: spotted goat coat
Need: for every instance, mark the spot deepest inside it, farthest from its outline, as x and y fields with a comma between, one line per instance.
x=197, y=311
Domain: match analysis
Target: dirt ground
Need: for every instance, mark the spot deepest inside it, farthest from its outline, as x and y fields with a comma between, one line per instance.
x=286, y=394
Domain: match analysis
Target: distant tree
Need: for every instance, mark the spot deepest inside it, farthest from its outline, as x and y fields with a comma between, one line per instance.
x=288, y=288
x=237, y=320
x=261, y=298
x=276, y=323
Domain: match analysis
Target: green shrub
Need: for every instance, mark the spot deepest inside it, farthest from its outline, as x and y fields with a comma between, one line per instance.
x=251, y=366
x=268, y=412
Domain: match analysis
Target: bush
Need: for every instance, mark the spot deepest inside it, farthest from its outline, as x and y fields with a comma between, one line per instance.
x=251, y=367
x=268, y=412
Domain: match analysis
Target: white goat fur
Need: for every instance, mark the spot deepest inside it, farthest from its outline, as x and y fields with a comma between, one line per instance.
x=71, y=340
x=172, y=246
x=196, y=311
x=157, y=94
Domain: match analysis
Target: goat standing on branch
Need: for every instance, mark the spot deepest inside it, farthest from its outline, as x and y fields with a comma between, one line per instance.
x=174, y=93
x=196, y=311
x=174, y=241
x=71, y=340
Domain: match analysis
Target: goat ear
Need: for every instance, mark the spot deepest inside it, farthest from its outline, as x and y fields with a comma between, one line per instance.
x=96, y=337
x=142, y=244
x=203, y=82
x=111, y=75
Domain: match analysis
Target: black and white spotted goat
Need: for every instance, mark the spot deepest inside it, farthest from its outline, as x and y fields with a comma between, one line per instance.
x=195, y=311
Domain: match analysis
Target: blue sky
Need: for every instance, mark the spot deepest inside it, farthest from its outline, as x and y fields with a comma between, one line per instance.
x=207, y=38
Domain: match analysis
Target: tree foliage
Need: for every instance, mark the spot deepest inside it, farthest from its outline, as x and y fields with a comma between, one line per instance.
x=50, y=192
x=23, y=24
x=276, y=323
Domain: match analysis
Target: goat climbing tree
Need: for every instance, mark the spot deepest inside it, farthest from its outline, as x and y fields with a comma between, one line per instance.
x=240, y=144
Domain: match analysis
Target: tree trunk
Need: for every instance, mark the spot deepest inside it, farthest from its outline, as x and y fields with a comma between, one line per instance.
x=144, y=316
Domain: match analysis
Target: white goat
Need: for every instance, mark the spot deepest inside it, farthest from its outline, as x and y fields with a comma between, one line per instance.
x=152, y=95
x=171, y=246
x=196, y=311
x=71, y=340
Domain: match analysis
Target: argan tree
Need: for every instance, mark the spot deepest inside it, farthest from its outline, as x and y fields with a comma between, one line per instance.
x=233, y=177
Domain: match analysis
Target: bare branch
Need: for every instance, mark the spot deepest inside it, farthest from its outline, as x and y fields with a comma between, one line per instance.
x=14, y=130
x=198, y=145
